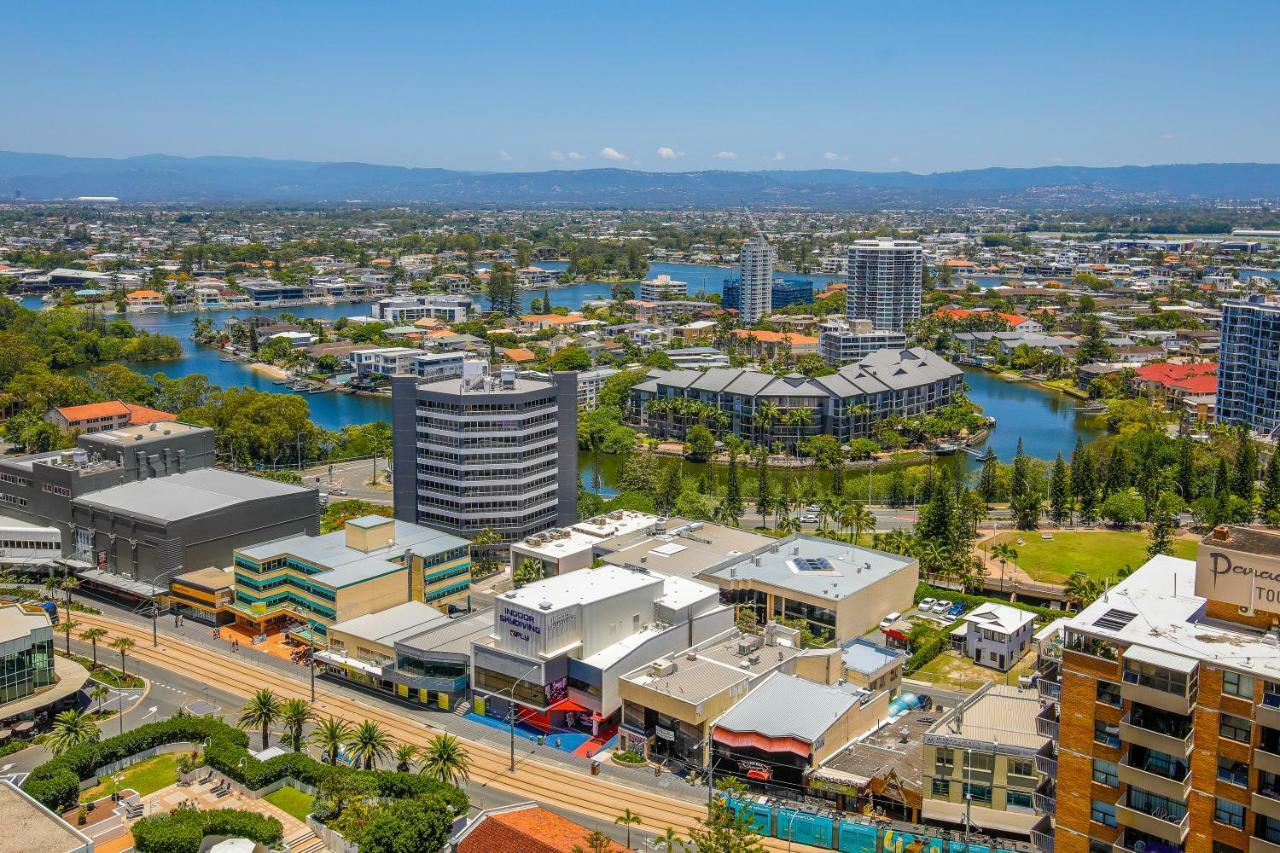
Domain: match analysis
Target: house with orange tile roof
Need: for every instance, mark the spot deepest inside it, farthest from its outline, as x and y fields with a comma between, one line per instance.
x=761, y=344
x=524, y=828
x=144, y=300
x=538, y=322
x=1011, y=321
x=519, y=355
x=101, y=417
x=1171, y=383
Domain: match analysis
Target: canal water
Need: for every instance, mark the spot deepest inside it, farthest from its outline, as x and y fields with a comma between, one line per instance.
x=1046, y=421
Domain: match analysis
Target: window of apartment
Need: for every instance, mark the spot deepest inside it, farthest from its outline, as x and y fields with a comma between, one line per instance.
x=1235, y=772
x=1106, y=733
x=1021, y=767
x=945, y=758
x=1096, y=846
x=941, y=787
x=1103, y=813
x=1237, y=684
x=1109, y=693
x=1234, y=728
x=1018, y=799
x=1106, y=772
x=1219, y=847
x=980, y=794
x=979, y=761
x=1225, y=811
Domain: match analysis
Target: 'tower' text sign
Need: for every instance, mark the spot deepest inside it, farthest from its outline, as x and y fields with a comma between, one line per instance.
x=1235, y=577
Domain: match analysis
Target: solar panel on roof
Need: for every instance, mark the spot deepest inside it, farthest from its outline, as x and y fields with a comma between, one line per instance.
x=812, y=564
x=1114, y=620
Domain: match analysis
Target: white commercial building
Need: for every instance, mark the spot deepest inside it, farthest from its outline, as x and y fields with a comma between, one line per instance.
x=384, y=361
x=440, y=365
x=568, y=549
x=885, y=278
x=842, y=341
x=404, y=310
x=560, y=645
x=589, y=384
x=756, y=262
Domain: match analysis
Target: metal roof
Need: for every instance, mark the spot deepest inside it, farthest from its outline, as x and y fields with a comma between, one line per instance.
x=789, y=706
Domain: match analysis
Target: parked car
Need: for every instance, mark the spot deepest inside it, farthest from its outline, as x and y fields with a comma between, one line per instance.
x=926, y=604
x=956, y=609
x=942, y=606
x=809, y=518
x=890, y=619
x=948, y=619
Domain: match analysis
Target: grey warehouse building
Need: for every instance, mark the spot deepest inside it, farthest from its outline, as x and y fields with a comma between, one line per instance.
x=486, y=451
x=137, y=505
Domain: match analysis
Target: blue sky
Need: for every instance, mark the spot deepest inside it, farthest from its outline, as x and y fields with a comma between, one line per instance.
x=917, y=86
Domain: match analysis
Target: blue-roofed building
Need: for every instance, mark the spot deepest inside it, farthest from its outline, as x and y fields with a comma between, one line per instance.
x=373, y=563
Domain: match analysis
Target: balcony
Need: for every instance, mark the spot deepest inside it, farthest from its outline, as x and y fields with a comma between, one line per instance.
x=1044, y=799
x=1156, y=782
x=1138, y=687
x=1267, y=712
x=1157, y=731
x=1266, y=802
x=1262, y=845
x=1047, y=722
x=1266, y=760
x=1160, y=825
x=1047, y=762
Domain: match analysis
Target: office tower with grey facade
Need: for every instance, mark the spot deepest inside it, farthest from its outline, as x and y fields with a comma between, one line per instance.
x=756, y=294
x=884, y=283
x=488, y=450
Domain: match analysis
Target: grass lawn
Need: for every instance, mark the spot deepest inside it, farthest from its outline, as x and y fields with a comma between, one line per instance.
x=951, y=669
x=145, y=777
x=1099, y=554
x=291, y=801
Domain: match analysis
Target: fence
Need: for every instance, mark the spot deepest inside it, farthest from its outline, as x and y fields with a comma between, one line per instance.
x=116, y=766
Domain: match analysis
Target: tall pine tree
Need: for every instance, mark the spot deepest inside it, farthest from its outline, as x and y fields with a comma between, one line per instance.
x=1060, y=491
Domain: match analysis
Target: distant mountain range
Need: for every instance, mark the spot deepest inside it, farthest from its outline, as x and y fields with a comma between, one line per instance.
x=237, y=180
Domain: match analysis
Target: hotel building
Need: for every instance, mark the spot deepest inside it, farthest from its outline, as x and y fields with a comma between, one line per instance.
x=885, y=279
x=1248, y=371
x=755, y=299
x=1166, y=707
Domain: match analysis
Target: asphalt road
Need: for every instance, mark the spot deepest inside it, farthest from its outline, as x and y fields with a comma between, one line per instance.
x=350, y=477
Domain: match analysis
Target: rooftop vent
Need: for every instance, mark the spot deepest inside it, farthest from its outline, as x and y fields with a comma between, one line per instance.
x=544, y=605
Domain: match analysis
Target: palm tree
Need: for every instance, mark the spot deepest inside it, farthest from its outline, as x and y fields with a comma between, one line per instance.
x=262, y=711
x=446, y=760
x=1080, y=588
x=99, y=693
x=670, y=841
x=405, y=754
x=92, y=636
x=294, y=714
x=68, y=585
x=1004, y=553
x=66, y=627
x=122, y=645
x=70, y=729
x=627, y=819
x=330, y=735
x=860, y=518
x=369, y=744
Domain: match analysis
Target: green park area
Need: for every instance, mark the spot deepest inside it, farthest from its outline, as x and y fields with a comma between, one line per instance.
x=1100, y=554
x=145, y=777
x=291, y=801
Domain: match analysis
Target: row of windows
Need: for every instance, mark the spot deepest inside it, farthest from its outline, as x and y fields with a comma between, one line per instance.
x=483, y=408
x=63, y=491
x=462, y=440
x=14, y=480
x=304, y=603
x=505, y=473
x=473, y=506
x=12, y=499
x=28, y=545
x=526, y=455
x=456, y=571
x=285, y=580
x=492, y=425
x=452, y=487
x=446, y=591
x=444, y=556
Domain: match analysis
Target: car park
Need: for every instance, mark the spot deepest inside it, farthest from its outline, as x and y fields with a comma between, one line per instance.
x=942, y=606
x=890, y=619
x=926, y=604
x=956, y=609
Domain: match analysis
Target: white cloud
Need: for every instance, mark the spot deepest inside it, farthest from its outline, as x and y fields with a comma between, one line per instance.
x=505, y=156
x=612, y=153
x=895, y=159
x=669, y=153
x=574, y=155
x=831, y=156
x=779, y=156
x=726, y=155
x=556, y=155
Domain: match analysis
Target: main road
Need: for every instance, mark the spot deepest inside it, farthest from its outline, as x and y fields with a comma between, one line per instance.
x=563, y=787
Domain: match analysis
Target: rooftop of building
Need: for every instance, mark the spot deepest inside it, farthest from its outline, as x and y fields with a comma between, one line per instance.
x=822, y=568
x=895, y=748
x=33, y=827
x=524, y=828
x=706, y=670
x=998, y=715
x=135, y=434
x=999, y=617
x=491, y=384
x=138, y=415
x=1156, y=607
x=453, y=636
x=582, y=587
x=211, y=578
x=186, y=495
x=681, y=547
x=787, y=706
x=16, y=623
x=393, y=624
x=347, y=565
x=865, y=657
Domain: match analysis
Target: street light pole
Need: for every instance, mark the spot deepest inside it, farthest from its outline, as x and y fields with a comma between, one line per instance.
x=512, y=710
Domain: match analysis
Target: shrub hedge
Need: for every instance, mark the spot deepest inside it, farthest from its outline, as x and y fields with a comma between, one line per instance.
x=183, y=830
x=56, y=783
x=924, y=590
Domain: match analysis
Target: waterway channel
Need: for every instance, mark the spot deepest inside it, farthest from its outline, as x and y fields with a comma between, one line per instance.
x=1045, y=420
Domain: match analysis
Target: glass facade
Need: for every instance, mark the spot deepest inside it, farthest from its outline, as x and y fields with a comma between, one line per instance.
x=26, y=671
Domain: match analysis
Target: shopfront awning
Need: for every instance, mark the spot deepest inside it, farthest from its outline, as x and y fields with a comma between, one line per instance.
x=569, y=705
x=981, y=817
x=121, y=583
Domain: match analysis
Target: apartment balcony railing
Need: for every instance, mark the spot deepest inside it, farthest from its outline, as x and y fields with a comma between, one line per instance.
x=1047, y=762
x=1153, y=779
x=1158, y=823
x=1047, y=722
x=1267, y=712
x=1042, y=835
x=1144, y=731
x=1266, y=801
x=1135, y=689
